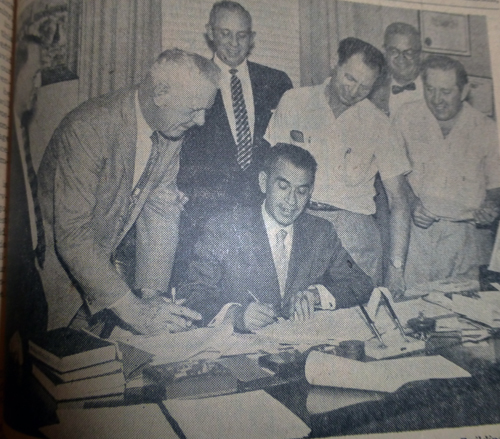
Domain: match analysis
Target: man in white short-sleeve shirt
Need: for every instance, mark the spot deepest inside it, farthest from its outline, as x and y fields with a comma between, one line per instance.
x=349, y=137
x=455, y=178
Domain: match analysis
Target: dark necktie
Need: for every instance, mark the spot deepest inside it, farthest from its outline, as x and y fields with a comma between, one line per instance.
x=156, y=138
x=244, y=138
x=33, y=182
x=396, y=89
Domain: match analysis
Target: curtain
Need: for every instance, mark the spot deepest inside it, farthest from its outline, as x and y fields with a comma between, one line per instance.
x=120, y=39
x=319, y=39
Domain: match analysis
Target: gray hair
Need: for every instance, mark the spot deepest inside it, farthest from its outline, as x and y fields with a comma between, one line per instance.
x=192, y=61
x=400, y=28
x=229, y=6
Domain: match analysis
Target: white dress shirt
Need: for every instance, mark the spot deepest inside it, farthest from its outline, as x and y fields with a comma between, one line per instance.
x=272, y=228
x=397, y=100
x=225, y=88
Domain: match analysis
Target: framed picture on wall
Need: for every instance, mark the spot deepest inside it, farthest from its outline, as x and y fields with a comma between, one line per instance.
x=481, y=94
x=445, y=33
x=57, y=24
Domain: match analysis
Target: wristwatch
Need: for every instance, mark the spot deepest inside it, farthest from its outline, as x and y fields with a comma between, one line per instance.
x=397, y=263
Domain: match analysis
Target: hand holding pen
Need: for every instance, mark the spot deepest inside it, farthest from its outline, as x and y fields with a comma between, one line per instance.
x=257, y=314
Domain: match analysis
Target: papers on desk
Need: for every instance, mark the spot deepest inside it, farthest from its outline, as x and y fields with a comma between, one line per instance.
x=383, y=376
x=484, y=309
x=455, y=285
x=145, y=421
x=250, y=415
x=327, y=327
x=198, y=344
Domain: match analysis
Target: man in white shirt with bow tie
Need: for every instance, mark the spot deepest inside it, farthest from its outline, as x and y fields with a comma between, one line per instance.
x=402, y=51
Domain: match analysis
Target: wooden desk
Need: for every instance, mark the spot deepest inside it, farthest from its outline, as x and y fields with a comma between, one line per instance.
x=415, y=406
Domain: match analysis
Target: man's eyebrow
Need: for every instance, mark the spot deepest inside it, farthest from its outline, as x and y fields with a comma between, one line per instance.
x=284, y=180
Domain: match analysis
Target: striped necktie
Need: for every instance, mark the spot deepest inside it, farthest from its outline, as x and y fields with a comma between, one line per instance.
x=33, y=182
x=243, y=135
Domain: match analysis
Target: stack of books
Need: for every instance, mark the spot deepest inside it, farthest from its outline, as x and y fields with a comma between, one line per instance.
x=71, y=365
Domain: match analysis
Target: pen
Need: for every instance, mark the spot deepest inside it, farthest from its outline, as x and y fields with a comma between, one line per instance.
x=394, y=316
x=258, y=301
x=371, y=323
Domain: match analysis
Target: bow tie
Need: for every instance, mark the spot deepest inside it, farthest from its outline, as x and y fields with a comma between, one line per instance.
x=396, y=89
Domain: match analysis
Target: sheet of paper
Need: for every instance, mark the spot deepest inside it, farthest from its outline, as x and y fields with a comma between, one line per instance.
x=347, y=324
x=485, y=309
x=250, y=415
x=145, y=421
x=383, y=376
x=169, y=348
x=324, y=327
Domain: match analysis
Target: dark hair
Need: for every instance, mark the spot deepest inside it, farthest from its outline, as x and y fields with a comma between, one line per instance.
x=296, y=155
x=21, y=54
x=372, y=57
x=445, y=63
x=399, y=28
x=230, y=6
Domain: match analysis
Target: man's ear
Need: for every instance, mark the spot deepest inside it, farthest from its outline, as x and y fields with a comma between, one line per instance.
x=263, y=181
x=465, y=92
x=160, y=93
x=252, y=38
x=210, y=32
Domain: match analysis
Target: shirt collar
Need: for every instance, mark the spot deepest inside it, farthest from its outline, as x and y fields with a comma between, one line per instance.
x=271, y=225
x=143, y=129
x=242, y=68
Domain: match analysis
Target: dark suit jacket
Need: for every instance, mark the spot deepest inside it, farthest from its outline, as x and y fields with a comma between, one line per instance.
x=234, y=257
x=209, y=173
x=86, y=178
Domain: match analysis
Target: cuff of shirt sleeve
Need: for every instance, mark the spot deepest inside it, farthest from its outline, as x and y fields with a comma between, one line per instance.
x=221, y=315
x=326, y=299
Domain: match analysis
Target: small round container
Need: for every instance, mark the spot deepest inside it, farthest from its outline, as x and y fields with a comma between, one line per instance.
x=353, y=349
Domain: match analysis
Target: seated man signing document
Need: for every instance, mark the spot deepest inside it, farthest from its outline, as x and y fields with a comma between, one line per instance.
x=274, y=260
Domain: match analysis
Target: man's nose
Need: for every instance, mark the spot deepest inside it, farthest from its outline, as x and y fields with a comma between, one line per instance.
x=436, y=97
x=291, y=198
x=234, y=40
x=354, y=89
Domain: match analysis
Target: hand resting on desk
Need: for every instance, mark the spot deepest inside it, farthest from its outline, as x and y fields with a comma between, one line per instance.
x=153, y=315
x=302, y=304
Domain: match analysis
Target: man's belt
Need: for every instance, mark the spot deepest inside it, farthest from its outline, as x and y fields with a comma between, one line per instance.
x=315, y=205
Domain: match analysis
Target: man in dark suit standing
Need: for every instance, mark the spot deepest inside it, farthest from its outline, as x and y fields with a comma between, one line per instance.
x=108, y=182
x=219, y=161
x=273, y=259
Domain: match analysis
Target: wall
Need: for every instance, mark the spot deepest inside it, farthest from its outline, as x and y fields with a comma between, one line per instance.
x=276, y=24
x=368, y=22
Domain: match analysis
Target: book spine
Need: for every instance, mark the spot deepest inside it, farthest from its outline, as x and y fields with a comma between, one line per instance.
x=103, y=385
x=44, y=356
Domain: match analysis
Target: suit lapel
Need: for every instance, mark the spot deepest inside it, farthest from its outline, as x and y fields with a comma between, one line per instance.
x=262, y=259
x=167, y=150
x=301, y=247
x=127, y=139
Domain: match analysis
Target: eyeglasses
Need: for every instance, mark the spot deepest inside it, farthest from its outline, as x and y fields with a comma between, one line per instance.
x=409, y=54
x=226, y=33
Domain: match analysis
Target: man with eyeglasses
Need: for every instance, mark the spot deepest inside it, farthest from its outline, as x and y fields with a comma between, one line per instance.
x=219, y=163
x=349, y=138
x=402, y=50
